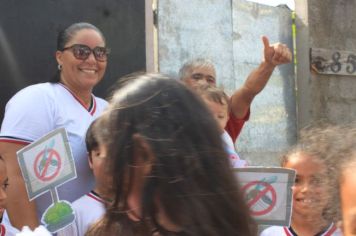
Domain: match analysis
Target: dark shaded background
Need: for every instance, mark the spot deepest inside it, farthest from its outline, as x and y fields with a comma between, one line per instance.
x=28, y=32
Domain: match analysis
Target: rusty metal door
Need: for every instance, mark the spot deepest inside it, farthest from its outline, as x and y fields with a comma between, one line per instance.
x=229, y=33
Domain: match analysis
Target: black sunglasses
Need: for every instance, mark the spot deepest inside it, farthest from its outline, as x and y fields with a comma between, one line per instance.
x=82, y=52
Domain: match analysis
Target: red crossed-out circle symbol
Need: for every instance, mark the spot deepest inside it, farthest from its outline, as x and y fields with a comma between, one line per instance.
x=250, y=189
x=44, y=168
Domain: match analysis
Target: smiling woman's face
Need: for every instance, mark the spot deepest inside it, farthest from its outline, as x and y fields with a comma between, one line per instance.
x=82, y=74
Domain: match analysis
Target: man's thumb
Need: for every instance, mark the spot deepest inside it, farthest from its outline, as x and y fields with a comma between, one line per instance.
x=265, y=42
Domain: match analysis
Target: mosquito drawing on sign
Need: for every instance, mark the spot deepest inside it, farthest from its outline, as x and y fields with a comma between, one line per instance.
x=47, y=159
x=259, y=187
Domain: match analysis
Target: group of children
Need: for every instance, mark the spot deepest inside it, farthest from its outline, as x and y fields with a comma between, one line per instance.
x=321, y=160
x=324, y=158
x=316, y=157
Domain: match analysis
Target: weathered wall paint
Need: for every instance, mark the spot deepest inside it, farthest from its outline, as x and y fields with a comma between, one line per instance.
x=191, y=28
x=229, y=33
x=330, y=26
x=272, y=125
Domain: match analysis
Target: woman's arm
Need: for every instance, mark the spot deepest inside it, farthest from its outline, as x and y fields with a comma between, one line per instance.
x=20, y=210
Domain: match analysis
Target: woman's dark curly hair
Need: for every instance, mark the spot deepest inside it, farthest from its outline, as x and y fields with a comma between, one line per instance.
x=191, y=174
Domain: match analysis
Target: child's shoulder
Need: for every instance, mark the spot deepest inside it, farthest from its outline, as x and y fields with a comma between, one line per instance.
x=87, y=201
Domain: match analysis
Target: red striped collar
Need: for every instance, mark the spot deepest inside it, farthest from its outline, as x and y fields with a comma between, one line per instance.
x=287, y=232
x=8, y=139
x=329, y=232
x=95, y=196
x=2, y=230
x=92, y=107
x=332, y=228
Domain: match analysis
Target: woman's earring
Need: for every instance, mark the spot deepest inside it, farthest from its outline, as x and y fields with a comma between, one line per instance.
x=59, y=67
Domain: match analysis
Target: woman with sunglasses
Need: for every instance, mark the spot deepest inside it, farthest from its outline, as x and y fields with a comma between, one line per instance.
x=67, y=101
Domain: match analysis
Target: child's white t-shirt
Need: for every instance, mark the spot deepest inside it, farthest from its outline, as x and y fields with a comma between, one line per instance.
x=88, y=209
x=285, y=231
x=236, y=161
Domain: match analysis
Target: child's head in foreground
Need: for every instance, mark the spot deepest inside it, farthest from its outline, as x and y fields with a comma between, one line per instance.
x=97, y=152
x=217, y=101
x=310, y=183
x=314, y=195
x=347, y=179
x=167, y=161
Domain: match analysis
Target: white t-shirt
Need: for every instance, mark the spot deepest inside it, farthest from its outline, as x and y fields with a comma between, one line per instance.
x=88, y=209
x=39, y=231
x=285, y=231
x=38, y=109
x=236, y=161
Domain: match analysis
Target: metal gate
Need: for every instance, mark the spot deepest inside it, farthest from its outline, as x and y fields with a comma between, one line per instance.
x=229, y=33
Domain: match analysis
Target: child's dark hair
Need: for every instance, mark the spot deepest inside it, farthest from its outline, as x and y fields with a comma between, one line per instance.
x=96, y=134
x=91, y=141
x=190, y=172
x=214, y=94
x=319, y=143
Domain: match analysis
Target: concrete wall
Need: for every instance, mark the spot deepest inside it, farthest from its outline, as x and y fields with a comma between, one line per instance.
x=229, y=32
x=272, y=126
x=330, y=25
